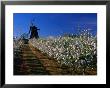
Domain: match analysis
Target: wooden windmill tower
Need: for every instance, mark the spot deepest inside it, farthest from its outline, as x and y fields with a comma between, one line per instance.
x=33, y=30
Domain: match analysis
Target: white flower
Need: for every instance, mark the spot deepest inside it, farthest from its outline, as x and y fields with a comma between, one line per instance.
x=65, y=48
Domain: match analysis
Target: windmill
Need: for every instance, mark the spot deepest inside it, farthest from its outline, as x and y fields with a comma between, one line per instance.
x=33, y=30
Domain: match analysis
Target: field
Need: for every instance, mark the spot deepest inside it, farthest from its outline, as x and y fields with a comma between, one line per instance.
x=61, y=55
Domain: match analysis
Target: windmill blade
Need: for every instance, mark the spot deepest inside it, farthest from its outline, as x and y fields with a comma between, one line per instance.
x=32, y=21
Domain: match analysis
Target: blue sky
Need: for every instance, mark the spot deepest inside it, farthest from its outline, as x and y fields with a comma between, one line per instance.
x=54, y=24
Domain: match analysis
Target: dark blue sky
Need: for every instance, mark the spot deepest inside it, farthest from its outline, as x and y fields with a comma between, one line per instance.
x=54, y=24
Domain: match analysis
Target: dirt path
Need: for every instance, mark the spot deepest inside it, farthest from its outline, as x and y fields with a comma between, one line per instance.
x=34, y=62
x=30, y=64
